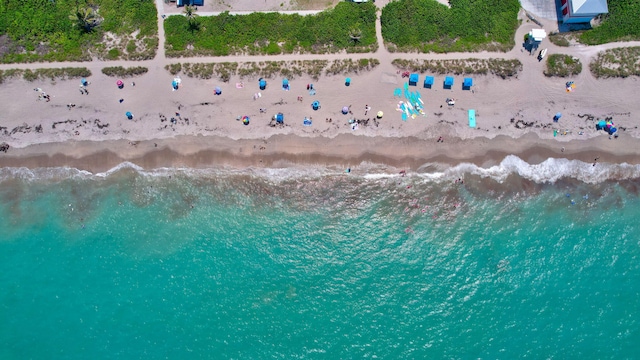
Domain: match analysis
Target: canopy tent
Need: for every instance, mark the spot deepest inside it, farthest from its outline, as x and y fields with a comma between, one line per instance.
x=413, y=79
x=217, y=90
x=262, y=83
x=448, y=82
x=129, y=115
x=428, y=82
x=467, y=83
x=315, y=105
x=279, y=118
x=537, y=35
x=347, y=81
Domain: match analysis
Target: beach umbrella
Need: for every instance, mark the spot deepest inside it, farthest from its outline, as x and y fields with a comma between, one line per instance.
x=120, y=84
x=262, y=83
x=218, y=91
x=557, y=117
x=129, y=115
x=83, y=82
x=245, y=120
x=174, y=85
x=347, y=81
x=380, y=114
x=345, y=110
x=315, y=105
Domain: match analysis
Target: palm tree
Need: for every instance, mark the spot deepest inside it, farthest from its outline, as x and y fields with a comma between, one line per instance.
x=192, y=18
x=355, y=34
x=85, y=18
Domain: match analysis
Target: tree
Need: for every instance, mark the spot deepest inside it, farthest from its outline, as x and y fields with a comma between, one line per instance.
x=355, y=34
x=86, y=18
x=192, y=18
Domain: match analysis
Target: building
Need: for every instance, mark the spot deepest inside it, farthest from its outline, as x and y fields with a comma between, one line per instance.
x=582, y=11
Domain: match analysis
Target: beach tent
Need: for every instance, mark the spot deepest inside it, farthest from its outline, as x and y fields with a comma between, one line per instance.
x=448, y=82
x=262, y=83
x=307, y=122
x=279, y=118
x=129, y=115
x=467, y=83
x=428, y=82
x=285, y=84
x=245, y=120
x=315, y=105
x=347, y=81
x=218, y=90
x=345, y=110
x=413, y=79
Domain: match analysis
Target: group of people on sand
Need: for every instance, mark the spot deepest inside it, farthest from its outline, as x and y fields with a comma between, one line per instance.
x=42, y=95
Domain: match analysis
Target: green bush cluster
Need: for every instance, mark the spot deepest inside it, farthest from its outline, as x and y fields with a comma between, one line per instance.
x=469, y=25
x=562, y=65
x=122, y=72
x=499, y=67
x=272, y=69
x=274, y=33
x=621, y=24
x=618, y=62
x=560, y=39
x=41, y=30
x=41, y=74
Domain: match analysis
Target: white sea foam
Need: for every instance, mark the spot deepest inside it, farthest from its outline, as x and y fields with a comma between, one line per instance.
x=548, y=171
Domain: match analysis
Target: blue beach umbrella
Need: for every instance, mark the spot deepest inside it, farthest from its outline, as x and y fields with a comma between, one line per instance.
x=347, y=81
x=315, y=105
x=129, y=115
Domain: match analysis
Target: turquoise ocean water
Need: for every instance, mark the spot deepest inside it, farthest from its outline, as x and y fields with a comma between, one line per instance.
x=519, y=261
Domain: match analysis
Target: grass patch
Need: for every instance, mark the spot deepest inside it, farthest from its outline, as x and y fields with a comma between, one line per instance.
x=499, y=67
x=562, y=65
x=621, y=24
x=558, y=39
x=348, y=26
x=41, y=74
x=122, y=72
x=271, y=69
x=41, y=30
x=618, y=62
x=469, y=25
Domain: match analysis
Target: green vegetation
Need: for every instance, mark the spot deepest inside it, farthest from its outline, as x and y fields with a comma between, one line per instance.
x=563, y=40
x=499, y=67
x=56, y=30
x=121, y=72
x=618, y=62
x=621, y=24
x=469, y=25
x=41, y=74
x=271, y=69
x=348, y=26
x=562, y=65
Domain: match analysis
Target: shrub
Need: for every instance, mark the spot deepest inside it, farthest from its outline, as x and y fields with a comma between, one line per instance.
x=121, y=72
x=562, y=65
x=617, y=62
x=469, y=25
x=273, y=33
x=499, y=67
x=621, y=24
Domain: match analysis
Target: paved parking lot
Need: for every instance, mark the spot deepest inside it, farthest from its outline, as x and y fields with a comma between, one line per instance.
x=546, y=9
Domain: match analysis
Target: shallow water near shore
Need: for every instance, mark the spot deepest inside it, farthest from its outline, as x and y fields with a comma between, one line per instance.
x=319, y=263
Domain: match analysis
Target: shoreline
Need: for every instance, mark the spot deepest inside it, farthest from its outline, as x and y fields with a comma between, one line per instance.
x=282, y=151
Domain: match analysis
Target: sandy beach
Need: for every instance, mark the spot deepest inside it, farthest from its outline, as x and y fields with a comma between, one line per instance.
x=514, y=116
